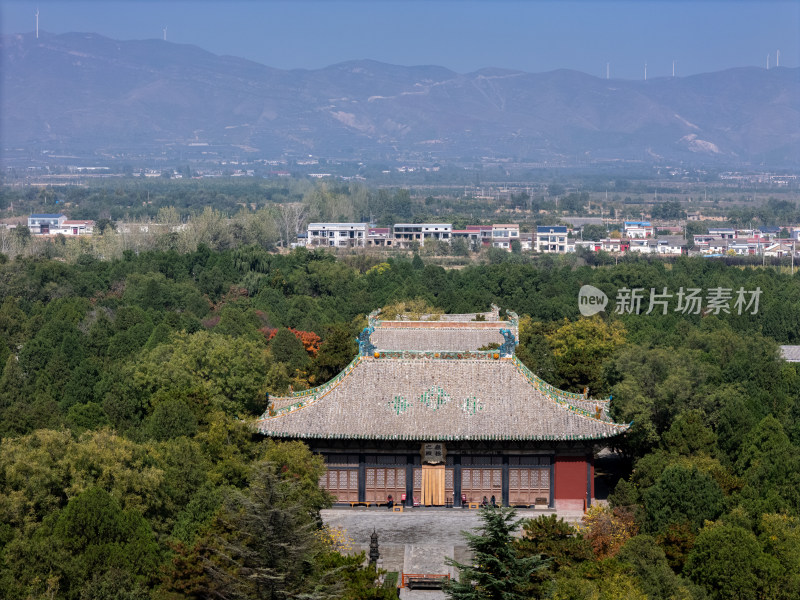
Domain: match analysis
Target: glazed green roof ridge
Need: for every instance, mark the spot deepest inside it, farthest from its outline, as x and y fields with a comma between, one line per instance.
x=544, y=386
x=575, y=401
x=311, y=395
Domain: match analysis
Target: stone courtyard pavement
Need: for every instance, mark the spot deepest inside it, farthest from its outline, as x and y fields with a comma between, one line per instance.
x=417, y=540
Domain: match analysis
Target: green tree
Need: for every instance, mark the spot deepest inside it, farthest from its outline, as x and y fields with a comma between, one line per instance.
x=728, y=561
x=262, y=545
x=277, y=380
x=411, y=310
x=335, y=353
x=79, y=389
x=596, y=580
x=689, y=436
x=460, y=247
x=89, y=538
x=594, y=232
x=297, y=475
x=779, y=536
x=81, y=417
x=227, y=372
x=115, y=584
x=237, y=322
x=171, y=418
x=682, y=495
x=770, y=465
x=104, y=224
x=581, y=349
x=358, y=582
x=22, y=235
x=534, y=349
x=497, y=571
x=287, y=349
x=650, y=566
x=554, y=539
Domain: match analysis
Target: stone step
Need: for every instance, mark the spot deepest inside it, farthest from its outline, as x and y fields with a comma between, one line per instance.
x=428, y=559
x=406, y=594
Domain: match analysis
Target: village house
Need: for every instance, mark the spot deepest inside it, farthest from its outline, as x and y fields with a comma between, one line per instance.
x=484, y=233
x=638, y=229
x=553, y=239
x=407, y=233
x=77, y=227
x=503, y=235
x=53, y=224
x=337, y=235
x=379, y=237
x=44, y=223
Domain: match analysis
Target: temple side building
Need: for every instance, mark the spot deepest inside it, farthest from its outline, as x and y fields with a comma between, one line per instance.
x=434, y=411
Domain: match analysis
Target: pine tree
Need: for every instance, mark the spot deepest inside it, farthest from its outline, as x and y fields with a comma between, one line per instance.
x=497, y=571
x=286, y=348
x=335, y=352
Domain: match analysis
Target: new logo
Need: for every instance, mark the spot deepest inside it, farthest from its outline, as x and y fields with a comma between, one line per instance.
x=591, y=300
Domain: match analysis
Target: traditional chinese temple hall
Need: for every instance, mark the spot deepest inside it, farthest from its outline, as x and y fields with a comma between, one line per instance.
x=434, y=411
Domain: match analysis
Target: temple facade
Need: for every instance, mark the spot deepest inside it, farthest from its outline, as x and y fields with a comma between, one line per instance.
x=431, y=412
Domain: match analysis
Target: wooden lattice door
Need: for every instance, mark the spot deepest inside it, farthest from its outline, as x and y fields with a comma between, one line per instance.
x=342, y=484
x=479, y=483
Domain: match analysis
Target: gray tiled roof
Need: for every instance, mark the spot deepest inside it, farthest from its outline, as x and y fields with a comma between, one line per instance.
x=440, y=399
x=791, y=353
x=443, y=338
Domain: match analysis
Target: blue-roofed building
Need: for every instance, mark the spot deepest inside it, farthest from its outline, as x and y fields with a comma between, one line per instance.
x=639, y=229
x=554, y=239
x=770, y=232
x=43, y=223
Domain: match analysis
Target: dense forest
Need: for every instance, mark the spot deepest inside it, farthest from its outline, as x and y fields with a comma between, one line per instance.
x=128, y=468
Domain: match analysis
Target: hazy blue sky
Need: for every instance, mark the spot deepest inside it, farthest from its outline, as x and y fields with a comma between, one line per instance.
x=462, y=35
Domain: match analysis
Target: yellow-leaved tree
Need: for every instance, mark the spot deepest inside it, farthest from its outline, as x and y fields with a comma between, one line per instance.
x=410, y=310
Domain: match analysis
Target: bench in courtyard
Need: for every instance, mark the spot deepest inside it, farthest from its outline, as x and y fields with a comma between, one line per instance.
x=417, y=581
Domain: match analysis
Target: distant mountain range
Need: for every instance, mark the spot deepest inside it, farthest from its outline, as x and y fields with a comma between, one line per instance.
x=83, y=93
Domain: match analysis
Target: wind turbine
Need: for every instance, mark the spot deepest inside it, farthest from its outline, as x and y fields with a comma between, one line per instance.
x=673, y=68
x=778, y=59
x=164, y=29
x=37, y=22
x=645, y=70
x=607, y=70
